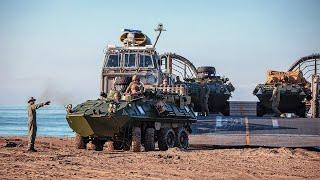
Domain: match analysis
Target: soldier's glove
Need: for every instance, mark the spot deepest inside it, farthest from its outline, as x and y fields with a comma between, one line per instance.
x=47, y=103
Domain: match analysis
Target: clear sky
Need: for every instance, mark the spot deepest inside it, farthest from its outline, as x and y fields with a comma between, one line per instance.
x=54, y=49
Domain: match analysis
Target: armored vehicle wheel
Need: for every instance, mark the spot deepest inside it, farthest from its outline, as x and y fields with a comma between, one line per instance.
x=149, y=140
x=166, y=139
x=182, y=140
x=80, y=142
x=136, y=139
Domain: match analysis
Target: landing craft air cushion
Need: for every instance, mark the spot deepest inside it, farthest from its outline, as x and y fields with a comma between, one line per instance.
x=162, y=115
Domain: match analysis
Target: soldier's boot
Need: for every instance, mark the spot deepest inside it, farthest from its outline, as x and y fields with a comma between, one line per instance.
x=31, y=143
x=32, y=150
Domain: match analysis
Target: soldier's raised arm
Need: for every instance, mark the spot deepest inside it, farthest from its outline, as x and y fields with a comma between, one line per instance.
x=37, y=106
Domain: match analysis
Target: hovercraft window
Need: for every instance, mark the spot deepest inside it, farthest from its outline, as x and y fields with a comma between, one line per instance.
x=113, y=60
x=130, y=60
x=146, y=61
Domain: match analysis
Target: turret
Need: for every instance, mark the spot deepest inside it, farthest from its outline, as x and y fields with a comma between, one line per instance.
x=134, y=38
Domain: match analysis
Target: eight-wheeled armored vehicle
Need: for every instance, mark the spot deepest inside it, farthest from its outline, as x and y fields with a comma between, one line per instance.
x=220, y=90
x=155, y=116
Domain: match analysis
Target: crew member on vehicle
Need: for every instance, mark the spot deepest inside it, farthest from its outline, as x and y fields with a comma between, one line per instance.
x=204, y=96
x=32, y=122
x=117, y=97
x=164, y=82
x=135, y=86
x=178, y=81
x=275, y=99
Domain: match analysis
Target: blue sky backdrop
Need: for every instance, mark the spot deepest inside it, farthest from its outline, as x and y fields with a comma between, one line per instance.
x=54, y=49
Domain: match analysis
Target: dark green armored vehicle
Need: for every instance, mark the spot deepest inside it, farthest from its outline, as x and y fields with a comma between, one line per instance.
x=295, y=92
x=220, y=90
x=155, y=116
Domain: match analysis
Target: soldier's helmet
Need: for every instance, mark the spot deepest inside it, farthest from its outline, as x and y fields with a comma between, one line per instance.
x=31, y=99
x=135, y=78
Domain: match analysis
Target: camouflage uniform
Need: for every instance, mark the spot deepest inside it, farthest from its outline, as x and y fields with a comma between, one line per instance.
x=32, y=123
x=204, y=96
x=276, y=101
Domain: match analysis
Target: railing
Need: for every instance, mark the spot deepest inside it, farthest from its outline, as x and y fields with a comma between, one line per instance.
x=180, y=89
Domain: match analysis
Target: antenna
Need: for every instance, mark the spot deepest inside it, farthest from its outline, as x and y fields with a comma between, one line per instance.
x=160, y=29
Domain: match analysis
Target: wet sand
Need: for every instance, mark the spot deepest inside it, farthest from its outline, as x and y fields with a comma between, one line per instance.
x=57, y=158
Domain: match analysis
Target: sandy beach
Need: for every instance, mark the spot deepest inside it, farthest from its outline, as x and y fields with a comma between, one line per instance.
x=57, y=158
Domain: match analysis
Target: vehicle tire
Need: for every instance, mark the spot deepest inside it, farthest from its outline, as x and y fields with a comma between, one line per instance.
x=166, y=139
x=136, y=139
x=80, y=142
x=182, y=140
x=206, y=69
x=149, y=144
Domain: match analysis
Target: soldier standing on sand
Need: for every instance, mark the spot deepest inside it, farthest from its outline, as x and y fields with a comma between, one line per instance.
x=275, y=99
x=204, y=96
x=32, y=122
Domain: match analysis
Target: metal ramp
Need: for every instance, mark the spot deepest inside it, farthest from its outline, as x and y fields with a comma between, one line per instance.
x=243, y=108
x=253, y=131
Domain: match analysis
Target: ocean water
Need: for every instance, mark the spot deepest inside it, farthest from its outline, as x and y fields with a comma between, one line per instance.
x=51, y=121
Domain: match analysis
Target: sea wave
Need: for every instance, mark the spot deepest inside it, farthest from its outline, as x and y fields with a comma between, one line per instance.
x=51, y=121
